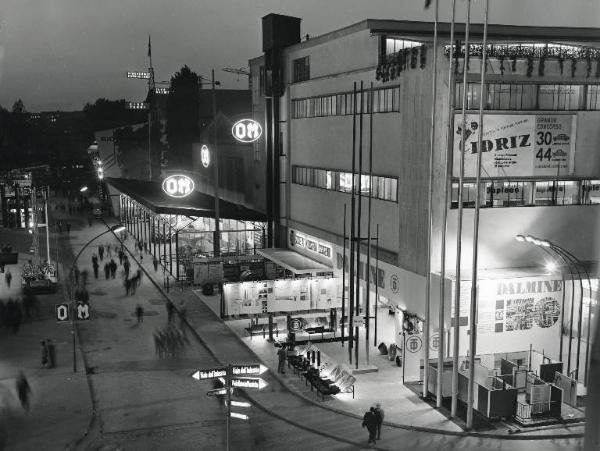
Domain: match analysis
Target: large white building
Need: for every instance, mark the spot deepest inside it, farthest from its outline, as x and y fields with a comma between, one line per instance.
x=540, y=169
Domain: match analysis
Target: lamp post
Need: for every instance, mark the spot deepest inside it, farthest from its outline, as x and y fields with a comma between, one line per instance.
x=572, y=262
x=114, y=229
x=217, y=238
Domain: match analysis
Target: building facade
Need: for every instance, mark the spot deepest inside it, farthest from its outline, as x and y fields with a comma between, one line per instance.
x=368, y=87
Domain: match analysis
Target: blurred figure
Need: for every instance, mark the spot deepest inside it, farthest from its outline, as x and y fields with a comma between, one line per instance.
x=23, y=390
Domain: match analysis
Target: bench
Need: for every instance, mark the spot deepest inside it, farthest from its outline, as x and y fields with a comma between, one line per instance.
x=344, y=383
x=261, y=329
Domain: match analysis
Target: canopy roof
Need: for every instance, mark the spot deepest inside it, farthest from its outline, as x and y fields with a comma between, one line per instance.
x=151, y=195
x=293, y=261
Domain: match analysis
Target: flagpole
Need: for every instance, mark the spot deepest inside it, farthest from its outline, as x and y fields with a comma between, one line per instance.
x=473, y=312
x=460, y=217
x=426, y=338
x=151, y=87
x=449, y=153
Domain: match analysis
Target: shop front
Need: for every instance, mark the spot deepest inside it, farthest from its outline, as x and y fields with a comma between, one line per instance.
x=180, y=232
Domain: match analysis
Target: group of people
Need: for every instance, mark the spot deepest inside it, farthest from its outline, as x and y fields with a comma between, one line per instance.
x=14, y=312
x=60, y=225
x=170, y=342
x=372, y=420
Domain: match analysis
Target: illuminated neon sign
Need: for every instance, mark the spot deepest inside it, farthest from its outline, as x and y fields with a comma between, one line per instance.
x=205, y=156
x=178, y=185
x=246, y=130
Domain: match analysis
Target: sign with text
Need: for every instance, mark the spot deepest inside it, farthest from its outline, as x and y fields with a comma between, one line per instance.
x=62, y=312
x=302, y=241
x=142, y=75
x=82, y=311
x=251, y=369
x=210, y=373
x=178, y=185
x=248, y=382
x=246, y=130
x=523, y=145
x=204, y=156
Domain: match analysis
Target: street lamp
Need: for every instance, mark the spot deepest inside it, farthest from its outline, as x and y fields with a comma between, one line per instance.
x=83, y=189
x=114, y=229
x=571, y=261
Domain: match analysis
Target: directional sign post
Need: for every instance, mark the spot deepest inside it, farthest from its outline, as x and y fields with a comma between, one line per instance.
x=233, y=376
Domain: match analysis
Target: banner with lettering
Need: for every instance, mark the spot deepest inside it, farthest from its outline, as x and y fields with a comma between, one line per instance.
x=513, y=313
x=516, y=145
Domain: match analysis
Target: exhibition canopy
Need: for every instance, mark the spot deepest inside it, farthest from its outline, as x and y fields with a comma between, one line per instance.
x=151, y=195
x=293, y=261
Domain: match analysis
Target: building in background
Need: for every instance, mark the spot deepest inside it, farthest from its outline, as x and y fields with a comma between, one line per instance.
x=541, y=172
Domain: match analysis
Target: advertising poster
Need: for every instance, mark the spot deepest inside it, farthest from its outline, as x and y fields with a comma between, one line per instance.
x=521, y=145
x=514, y=313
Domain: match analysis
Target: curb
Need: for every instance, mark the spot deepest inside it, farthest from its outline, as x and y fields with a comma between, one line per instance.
x=339, y=411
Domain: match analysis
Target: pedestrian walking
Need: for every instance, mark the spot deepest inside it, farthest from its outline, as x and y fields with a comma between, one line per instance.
x=182, y=313
x=95, y=267
x=44, y=355
x=51, y=354
x=281, y=355
x=68, y=228
x=113, y=268
x=23, y=390
x=139, y=313
x=84, y=277
x=101, y=252
x=370, y=422
x=170, y=309
x=379, y=415
x=126, y=266
x=155, y=264
x=8, y=277
x=108, y=250
x=106, y=270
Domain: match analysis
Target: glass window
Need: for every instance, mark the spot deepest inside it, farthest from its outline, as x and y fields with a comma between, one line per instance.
x=328, y=179
x=593, y=98
x=507, y=194
x=591, y=192
x=301, y=69
x=345, y=182
x=567, y=192
x=559, y=97
x=544, y=193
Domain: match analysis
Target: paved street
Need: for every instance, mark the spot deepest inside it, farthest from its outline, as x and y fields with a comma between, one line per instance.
x=139, y=401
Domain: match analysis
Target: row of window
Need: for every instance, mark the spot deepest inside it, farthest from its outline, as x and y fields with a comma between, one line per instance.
x=529, y=193
x=385, y=100
x=384, y=188
x=522, y=96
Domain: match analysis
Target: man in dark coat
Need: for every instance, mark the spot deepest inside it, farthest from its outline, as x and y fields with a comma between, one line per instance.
x=370, y=422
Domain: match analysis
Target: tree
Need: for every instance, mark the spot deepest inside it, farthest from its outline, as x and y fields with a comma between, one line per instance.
x=104, y=114
x=18, y=107
x=183, y=116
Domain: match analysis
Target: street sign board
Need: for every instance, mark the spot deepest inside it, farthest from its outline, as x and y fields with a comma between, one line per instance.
x=163, y=91
x=178, y=185
x=83, y=311
x=248, y=382
x=253, y=369
x=143, y=75
x=358, y=321
x=241, y=416
x=62, y=312
x=210, y=373
x=217, y=392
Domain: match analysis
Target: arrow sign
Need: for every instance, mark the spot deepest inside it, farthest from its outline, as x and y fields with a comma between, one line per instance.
x=241, y=416
x=210, y=373
x=253, y=369
x=248, y=382
x=217, y=392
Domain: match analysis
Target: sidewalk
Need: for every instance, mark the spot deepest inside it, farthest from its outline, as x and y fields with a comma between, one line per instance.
x=404, y=409
x=60, y=406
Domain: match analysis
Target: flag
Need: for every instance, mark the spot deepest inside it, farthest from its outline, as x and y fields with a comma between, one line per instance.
x=427, y=3
x=149, y=48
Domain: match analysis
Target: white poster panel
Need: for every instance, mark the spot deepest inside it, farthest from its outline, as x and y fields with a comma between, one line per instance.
x=326, y=296
x=516, y=145
x=512, y=314
x=290, y=295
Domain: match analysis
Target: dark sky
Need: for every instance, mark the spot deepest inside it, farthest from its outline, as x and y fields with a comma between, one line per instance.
x=60, y=54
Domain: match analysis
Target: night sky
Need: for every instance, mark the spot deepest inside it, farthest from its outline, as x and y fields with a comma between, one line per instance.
x=60, y=54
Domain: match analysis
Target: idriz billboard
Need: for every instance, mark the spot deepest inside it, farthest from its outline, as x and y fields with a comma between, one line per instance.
x=522, y=145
